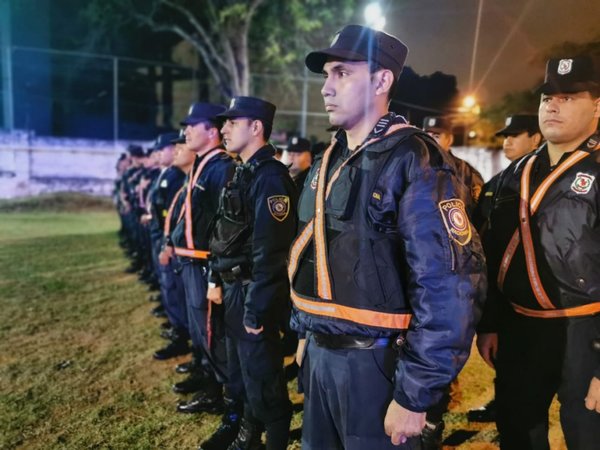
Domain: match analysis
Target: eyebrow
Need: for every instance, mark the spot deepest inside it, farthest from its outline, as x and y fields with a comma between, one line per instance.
x=337, y=67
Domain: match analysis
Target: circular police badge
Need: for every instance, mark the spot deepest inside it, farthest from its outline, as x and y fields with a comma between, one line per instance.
x=279, y=206
x=582, y=184
x=456, y=220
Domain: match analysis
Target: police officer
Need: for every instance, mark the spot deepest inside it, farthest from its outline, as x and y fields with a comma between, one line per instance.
x=543, y=256
x=386, y=270
x=298, y=157
x=252, y=236
x=212, y=169
x=162, y=193
x=521, y=136
x=440, y=128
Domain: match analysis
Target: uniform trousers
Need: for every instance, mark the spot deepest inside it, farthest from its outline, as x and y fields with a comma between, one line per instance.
x=346, y=396
x=258, y=360
x=537, y=359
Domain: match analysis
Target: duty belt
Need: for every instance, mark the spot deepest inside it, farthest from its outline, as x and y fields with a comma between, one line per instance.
x=344, y=341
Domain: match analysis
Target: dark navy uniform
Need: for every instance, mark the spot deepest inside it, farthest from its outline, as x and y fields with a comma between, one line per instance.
x=198, y=205
x=250, y=243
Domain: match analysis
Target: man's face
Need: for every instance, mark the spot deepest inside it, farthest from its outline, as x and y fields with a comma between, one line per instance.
x=443, y=139
x=183, y=156
x=565, y=118
x=237, y=133
x=166, y=155
x=197, y=136
x=348, y=92
x=517, y=145
x=153, y=160
x=297, y=162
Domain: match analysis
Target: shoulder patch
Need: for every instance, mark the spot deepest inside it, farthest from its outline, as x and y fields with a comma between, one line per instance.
x=279, y=206
x=456, y=220
x=582, y=184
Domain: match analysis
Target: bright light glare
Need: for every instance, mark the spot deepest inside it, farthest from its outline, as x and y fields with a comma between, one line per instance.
x=374, y=17
x=469, y=101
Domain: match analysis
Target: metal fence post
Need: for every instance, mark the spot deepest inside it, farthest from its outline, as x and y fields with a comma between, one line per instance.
x=7, y=71
x=304, y=102
x=115, y=99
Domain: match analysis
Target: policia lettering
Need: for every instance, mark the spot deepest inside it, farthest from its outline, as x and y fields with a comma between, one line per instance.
x=527, y=208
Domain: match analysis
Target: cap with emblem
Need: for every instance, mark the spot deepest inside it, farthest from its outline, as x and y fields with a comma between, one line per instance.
x=201, y=112
x=180, y=139
x=164, y=140
x=518, y=124
x=359, y=43
x=136, y=150
x=251, y=107
x=298, y=145
x=437, y=124
x=569, y=75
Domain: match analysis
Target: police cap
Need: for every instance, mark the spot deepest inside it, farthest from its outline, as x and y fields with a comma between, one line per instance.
x=298, y=145
x=164, y=140
x=570, y=75
x=202, y=112
x=360, y=43
x=180, y=139
x=251, y=107
x=136, y=150
x=518, y=124
x=437, y=124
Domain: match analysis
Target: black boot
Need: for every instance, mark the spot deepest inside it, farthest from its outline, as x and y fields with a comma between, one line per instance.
x=486, y=413
x=210, y=402
x=248, y=437
x=278, y=434
x=228, y=430
x=175, y=348
x=198, y=380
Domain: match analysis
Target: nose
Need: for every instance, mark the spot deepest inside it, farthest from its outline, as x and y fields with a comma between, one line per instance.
x=551, y=104
x=224, y=128
x=327, y=90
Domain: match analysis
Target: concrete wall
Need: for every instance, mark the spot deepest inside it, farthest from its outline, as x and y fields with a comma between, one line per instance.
x=31, y=166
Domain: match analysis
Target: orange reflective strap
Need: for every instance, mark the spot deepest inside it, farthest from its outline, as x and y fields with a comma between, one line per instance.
x=356, y=315
x=576, y=311
x=197, y=254
x=298, y=247
x=530, y=260
x=511, y=248
x=189, y=238
x=170, y=212
x=321, y=264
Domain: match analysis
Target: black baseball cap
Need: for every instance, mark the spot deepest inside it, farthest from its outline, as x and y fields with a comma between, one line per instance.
x=571, y=74
x=165, y=140
x=518, y=124
x=360, y=43
x=136, y=150
x=437, y=124
x=201, y=112
x=180, y=139
x=251, y=107
x=298, y=145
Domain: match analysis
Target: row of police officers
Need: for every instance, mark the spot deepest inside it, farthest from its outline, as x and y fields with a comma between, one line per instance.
x=380, y=264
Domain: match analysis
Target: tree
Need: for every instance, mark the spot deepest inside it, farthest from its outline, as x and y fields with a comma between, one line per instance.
x=225, y=32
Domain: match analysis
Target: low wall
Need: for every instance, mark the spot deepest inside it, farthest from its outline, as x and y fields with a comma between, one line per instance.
x=32, y=165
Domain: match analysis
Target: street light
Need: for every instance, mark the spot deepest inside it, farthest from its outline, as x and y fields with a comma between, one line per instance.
x=469, y=102
x=374, y=16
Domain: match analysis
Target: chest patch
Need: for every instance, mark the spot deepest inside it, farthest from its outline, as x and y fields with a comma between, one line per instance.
x=164, y=183
x=279, y=206
x=456, y=221
x=582, y=184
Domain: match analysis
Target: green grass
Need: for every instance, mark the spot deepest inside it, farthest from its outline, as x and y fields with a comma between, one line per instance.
x=76, y=343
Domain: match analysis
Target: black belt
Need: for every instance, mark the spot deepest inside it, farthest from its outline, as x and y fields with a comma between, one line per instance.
x=344, y=341
x=238, y=273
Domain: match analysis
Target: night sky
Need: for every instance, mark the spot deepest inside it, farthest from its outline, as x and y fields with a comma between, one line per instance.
x=440, y=35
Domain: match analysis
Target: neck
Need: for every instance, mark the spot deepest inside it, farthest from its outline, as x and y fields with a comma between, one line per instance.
x=358, y=133
x=187, y=168
x=557, y=150
x=208, y=146
x=250, y=149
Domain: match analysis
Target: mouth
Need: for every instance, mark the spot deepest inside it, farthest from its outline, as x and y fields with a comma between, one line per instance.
x=330, y=107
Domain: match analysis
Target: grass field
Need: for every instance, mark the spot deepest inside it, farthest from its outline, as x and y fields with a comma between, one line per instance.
x=76, y=343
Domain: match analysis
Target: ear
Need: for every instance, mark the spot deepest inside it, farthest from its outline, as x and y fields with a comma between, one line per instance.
x=450, y=139
x=597, y=108
x=537, y=138
x=384, y=80
x=256, y=127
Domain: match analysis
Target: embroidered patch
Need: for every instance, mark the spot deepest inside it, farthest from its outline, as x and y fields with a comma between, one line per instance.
x=564, y=66
x=279, y=206
x=456, y=220
x=315, y=179
x=582, y=184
